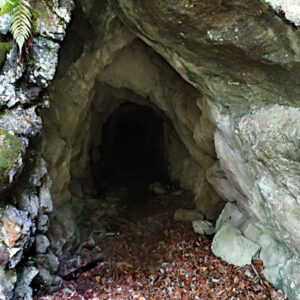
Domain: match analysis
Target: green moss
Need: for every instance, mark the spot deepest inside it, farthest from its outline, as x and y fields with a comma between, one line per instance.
x=10, y=149
x=35, y=15
x=40, y=10
x=5, y=47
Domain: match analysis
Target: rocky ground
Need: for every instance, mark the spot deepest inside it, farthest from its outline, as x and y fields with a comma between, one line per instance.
x=155, y=257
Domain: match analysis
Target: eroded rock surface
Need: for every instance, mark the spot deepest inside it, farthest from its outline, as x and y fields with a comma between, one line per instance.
x=24, y=182
x=244, y=59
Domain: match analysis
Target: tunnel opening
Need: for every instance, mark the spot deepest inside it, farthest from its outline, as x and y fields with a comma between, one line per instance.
x=130, y=165
x=134, y=155
x=132, y=148
x=127, y=161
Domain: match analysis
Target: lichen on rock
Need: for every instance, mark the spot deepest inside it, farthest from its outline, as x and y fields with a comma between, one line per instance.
x=10, y=151
x=25, y=198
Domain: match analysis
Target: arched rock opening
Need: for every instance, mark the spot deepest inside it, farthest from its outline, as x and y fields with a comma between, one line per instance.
x=134, y=115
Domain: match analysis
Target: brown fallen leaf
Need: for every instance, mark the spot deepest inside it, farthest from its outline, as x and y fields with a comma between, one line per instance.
x=124, y=264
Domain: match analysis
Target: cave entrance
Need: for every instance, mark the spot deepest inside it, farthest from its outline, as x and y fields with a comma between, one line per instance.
x=131, y=165
x=133, y=155
x=132, y=147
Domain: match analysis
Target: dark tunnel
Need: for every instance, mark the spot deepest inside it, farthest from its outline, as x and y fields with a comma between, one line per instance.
x=132, y=147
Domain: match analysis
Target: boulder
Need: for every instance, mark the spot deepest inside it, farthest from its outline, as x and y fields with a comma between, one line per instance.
x=203, y=227
x=233, y=247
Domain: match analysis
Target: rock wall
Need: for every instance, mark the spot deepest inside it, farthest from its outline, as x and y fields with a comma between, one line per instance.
x=24, y=181
x=245, y=61
x=223, y=76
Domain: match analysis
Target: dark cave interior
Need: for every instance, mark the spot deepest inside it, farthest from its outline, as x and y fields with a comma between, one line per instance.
x=132, y=147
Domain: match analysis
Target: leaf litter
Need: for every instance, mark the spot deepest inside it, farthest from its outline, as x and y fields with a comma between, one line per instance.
x=159, y=258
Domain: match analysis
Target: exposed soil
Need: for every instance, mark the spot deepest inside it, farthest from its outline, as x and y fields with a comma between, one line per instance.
x=154, y=257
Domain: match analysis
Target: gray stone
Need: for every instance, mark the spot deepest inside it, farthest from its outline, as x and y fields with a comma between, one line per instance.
x=45, y=276
x=65, y=233
x=56, y=283
x=8, y=280
x=203, y=227
x=45, y=55
x=43, y=223
x=39, y=172
x=232, y=246
x=21, y=121
x=4, y=256
x=279, y=261
x=48, y=261
x=5, y=23
x=23, y=289
x=290, y=278
x=41, y=243
x=29, y=201
x=62, y=9
x=46, y=204
x=15, y=231
x=52, y=26
x=217, y=178
x=231, y=214
x=10, y=73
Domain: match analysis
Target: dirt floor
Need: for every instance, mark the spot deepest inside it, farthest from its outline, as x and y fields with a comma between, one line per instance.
x=151, y=256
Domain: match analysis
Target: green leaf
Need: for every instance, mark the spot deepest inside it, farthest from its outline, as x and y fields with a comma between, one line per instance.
x=5, y=244
x=21, y=22
x=8, y=7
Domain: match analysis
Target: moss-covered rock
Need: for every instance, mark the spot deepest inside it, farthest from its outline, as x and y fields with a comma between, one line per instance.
x=5, y=47
x=45, y=22
x=10, y=149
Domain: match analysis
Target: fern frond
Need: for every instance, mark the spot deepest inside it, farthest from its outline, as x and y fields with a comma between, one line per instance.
x=8, y=7
x=21, y=20
x=21, y=23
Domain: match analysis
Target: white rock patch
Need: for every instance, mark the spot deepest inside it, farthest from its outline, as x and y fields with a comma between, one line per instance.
x=291, y=8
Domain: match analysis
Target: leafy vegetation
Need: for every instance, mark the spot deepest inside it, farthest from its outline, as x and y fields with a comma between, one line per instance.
x=21, y=22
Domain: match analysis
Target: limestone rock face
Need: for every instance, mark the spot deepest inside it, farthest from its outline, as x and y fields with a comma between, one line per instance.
x=245, y=60
x=269, y=154
x=224, y=49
